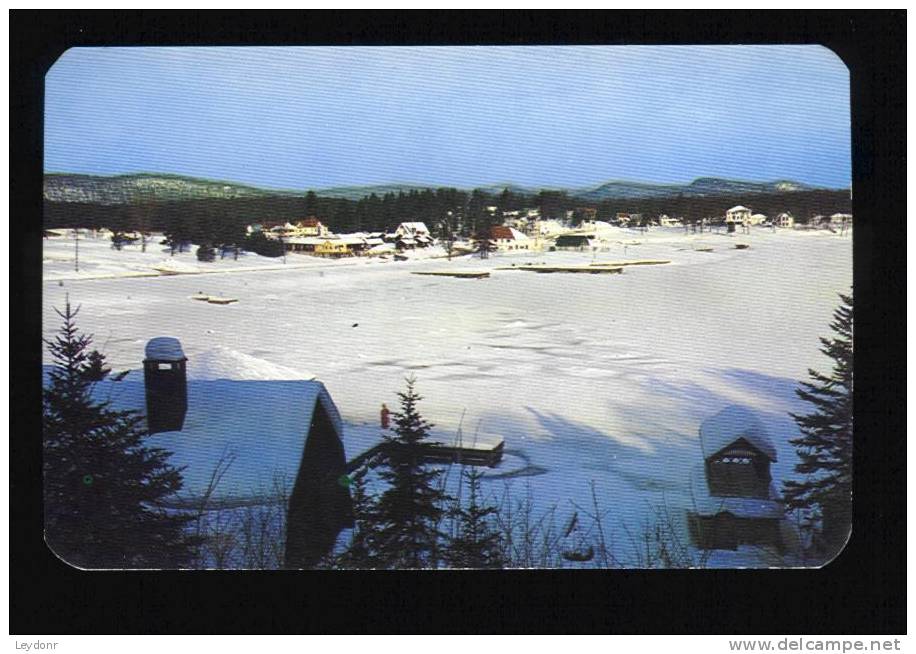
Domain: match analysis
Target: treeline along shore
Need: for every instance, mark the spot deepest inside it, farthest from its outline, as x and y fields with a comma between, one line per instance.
x=463, y=209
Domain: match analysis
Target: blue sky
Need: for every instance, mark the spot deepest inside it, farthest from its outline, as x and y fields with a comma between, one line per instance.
x=315, y=117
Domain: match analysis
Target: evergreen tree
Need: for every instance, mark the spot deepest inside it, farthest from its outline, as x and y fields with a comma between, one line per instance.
x=311, y=203
x=447, y=233
x=483, y=239
x=102, y=485
x=408, y=512
x=477, y=544
x=360, y=553
x=825, y=444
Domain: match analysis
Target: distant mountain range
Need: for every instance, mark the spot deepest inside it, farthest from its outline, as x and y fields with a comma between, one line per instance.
x=142, y=187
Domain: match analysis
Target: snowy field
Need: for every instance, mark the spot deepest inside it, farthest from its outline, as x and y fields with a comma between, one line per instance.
x=587, y=378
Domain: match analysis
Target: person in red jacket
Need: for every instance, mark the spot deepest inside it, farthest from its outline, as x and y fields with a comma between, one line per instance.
x=384, y=416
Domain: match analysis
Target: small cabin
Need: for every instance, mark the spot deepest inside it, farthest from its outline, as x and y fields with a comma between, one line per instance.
x=735, y=501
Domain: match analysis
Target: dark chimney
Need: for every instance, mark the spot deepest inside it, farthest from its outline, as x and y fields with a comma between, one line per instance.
x=165, y=376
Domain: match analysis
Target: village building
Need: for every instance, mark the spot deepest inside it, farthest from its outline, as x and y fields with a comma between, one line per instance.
x=758, y=219
x=735, y=501
x=665, y=220
x=738, y=215
x=262, y=431
x=586, y=214
x=579, y=242
x=508, y=239
x=521, y=224
x=303, y=244
x=785, y=220
x=841, y=219
x=283, y=230
x=311, y=226
x=412, y=230
x=341, y=246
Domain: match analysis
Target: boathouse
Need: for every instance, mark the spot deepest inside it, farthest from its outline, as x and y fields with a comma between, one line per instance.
x=735, y=500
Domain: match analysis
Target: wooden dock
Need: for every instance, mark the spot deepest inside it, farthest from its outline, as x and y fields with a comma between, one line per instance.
x=638, y=262
x=434, y=453
x=460, y=274
x=591, y=270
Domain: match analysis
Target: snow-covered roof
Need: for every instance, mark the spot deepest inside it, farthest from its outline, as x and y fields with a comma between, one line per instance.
x=306, y=240
x=507, y=233
x=350, y=240
x=738, y=208
x=382, y=247
x=729, y=425
x=413, y=227
x=164, y=348
x=262, y=425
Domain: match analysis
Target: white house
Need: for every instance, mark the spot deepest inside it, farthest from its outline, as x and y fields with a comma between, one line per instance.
x=758, y=219
x=411, y=230
x=509, y=239
x=311, y=226
x=841, y=219
x=785, y=220
x=666, y=221
x=738, y=215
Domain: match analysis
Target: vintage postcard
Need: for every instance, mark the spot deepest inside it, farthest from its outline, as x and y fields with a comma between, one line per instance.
x=447, y=307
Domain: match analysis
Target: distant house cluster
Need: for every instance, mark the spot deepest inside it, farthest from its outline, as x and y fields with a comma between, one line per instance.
x=310, y=236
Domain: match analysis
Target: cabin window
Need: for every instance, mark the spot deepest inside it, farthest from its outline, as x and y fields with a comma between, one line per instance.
x=165, y=366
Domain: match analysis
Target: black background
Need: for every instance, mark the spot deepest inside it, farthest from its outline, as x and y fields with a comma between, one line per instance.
x=862, y=591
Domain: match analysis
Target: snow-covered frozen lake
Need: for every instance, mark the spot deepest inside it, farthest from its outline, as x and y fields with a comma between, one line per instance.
x=591, y=378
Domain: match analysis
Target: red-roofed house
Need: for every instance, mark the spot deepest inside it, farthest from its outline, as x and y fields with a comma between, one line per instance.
x=508, y=239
